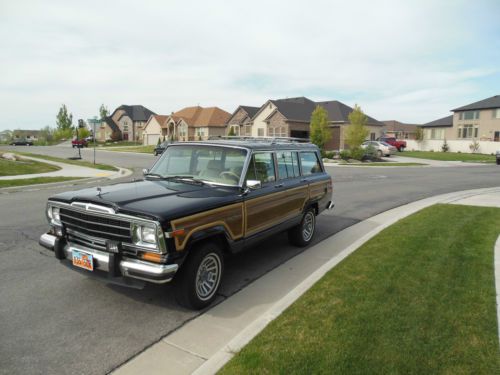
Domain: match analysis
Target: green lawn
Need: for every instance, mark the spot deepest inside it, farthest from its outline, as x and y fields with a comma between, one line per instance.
x=117, y=144
x=450, y=156
x=141, y=149
x=75, y=162
x=419, y=298
x=15, y=168
x=34, y=181
x=382, y=164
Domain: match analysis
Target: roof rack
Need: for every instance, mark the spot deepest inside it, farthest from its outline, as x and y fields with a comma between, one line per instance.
x=260, y=139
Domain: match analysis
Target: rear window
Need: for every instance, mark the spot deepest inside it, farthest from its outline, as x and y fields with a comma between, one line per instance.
x=310, y=163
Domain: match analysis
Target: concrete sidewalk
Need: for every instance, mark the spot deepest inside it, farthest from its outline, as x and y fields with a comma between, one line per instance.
x=400, y=158
x=205, y=344
x=70, y=170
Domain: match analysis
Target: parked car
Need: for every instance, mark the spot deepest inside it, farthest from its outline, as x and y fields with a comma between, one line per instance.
x=161, y=147
x=21, y=142
x=381, y=148
x=199, y=201
x=79, y=143
x=400, y=145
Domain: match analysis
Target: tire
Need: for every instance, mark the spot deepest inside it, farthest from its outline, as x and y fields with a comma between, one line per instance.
x=198, y=280
x=379, y=154
x=302, y=234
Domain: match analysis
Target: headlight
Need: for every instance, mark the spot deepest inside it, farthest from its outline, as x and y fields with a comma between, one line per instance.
x=145, y=235
x=53, y=214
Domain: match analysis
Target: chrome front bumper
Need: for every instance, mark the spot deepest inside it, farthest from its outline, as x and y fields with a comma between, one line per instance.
x=128, y=267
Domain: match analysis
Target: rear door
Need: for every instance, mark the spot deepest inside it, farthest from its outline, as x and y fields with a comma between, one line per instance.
x=319, y=182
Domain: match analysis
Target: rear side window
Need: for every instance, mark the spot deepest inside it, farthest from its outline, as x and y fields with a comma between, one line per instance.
x=261, y=168
x=310, y=163
x=288, y=164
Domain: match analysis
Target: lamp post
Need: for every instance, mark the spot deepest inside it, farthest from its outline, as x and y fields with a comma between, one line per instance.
x=93, y=121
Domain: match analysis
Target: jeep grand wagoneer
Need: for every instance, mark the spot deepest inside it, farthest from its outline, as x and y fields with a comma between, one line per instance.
x=199, y=201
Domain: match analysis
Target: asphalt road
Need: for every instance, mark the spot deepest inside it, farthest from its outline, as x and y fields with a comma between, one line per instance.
x=54, y=320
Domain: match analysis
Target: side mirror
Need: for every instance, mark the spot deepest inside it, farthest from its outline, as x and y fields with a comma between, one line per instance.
x=145, y=171
x=253, y=184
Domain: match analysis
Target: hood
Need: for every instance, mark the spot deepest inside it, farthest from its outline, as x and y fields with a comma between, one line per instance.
x=154, y=199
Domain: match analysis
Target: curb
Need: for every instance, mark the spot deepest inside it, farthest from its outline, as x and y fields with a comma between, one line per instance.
x=249, y=328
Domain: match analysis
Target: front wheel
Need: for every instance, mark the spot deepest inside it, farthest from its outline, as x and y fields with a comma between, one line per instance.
x=302, y=234
x=199, y=278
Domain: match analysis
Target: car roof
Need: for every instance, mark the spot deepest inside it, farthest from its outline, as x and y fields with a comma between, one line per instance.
x=263, y=144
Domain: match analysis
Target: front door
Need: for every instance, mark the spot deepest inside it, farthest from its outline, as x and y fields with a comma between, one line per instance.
x=497, y=137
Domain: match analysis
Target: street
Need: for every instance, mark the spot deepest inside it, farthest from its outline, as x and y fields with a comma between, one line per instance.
x=54, y=320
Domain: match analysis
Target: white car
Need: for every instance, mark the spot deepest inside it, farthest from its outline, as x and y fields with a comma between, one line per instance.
x=381, y=148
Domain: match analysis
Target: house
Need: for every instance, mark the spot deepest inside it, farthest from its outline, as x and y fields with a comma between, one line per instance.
x=479, y=120
x=195, y=123
x=154, y=129
x=126, y=122
x=240, y=121
x=291, y=117
x=473, y=127
x=30, y=135
x=439, y=129
x=399, y=130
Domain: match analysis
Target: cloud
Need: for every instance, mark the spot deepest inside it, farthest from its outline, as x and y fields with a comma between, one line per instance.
x=411, y=60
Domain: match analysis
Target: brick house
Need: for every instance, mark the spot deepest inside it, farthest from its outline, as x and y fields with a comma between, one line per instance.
x=125, y=123
x=241, y=120
x=291, y=118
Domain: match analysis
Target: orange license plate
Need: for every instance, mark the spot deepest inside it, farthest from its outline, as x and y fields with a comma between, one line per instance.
x=83, y=260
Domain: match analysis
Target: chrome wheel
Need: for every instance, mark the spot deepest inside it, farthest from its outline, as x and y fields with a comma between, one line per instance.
x=208, y=276
x=308, y=226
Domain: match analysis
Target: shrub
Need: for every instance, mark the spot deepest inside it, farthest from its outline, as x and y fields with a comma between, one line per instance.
x=357, y=153
x=445, y=147
x=344, y=154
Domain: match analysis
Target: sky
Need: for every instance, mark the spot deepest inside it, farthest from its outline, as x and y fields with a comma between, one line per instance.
x=411, y=61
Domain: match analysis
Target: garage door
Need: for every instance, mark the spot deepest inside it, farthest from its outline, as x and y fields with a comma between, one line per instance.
x=152, y=139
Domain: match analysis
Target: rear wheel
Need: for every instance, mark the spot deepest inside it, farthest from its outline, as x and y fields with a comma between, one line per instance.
x=199, y=277
x=302, y=234
x=379, y=154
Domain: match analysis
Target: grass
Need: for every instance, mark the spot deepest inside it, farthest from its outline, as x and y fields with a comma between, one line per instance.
x=141, y=149
x=118, y=144
x=74, y=162
x=450, y=156
x=382, y=164
x=419, y=298
x=25, y=166
x=34, y=181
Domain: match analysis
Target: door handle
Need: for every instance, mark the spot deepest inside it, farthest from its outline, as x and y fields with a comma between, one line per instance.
x=278, y=186
x=303, y=180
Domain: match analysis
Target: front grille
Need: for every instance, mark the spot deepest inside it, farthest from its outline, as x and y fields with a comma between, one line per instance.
x=96, y=226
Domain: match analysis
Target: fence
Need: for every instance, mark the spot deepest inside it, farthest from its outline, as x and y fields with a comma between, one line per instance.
x=485, y=147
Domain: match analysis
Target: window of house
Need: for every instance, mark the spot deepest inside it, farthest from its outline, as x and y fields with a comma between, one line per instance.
x=496, y=113
x=183, y=131
x=468, y=131
x=125, y=128
x=288, y=164
x=248, y=130
x=260, y=132
x=261, y=168
x=437, y=133
x=372, y=136
x=310, y=163
x=201, y=132
x=469, y=115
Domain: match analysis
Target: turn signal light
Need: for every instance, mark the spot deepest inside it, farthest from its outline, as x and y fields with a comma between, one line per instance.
x=151, y=257
x=175, y=233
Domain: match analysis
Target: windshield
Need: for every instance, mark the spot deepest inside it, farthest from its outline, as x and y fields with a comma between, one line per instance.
x=211, y=164
x=385, y=144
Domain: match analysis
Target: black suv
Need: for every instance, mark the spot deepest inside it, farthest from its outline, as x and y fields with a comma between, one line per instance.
x=199, y=201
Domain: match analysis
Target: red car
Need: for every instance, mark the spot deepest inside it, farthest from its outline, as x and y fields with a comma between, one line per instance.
x=79, y=143
x=400, y=145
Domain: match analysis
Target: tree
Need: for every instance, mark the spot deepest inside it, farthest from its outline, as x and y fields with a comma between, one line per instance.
x=356, y=132
x=419, y=134
x=231, y=132
x=64, y=120
x=320, y=134
x=103, y=112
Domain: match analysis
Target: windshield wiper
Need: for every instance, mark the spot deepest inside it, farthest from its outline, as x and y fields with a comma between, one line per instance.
x=186, y=179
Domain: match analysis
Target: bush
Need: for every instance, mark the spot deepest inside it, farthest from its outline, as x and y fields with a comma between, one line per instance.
x=357, y=153
x=344, y=154
x=445, y=147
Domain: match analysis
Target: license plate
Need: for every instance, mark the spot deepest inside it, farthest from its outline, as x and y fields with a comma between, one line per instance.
x=83, y=260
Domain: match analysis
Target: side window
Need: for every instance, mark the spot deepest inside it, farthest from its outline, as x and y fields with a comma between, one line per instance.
x=310, y=163
x=261, y=168
x=288, y=164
